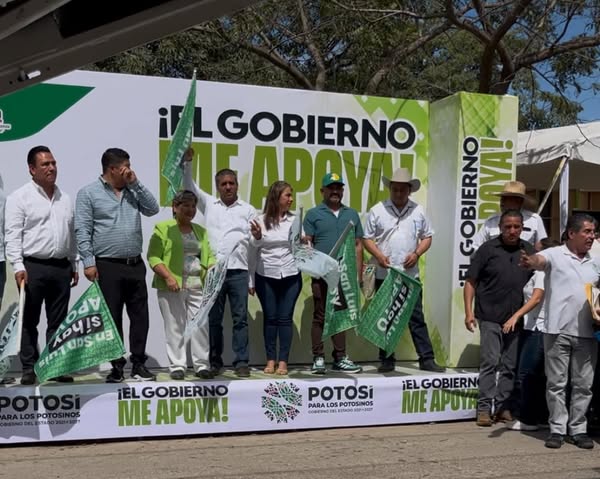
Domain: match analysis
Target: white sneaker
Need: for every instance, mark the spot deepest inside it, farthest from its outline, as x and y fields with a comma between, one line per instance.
x=517, y=425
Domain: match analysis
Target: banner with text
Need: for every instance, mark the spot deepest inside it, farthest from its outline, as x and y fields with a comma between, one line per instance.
x=342, y=307
x=389, y=312
x=103, y=411
x=87, y=337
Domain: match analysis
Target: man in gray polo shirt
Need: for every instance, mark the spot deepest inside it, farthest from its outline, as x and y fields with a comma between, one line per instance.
x=569, y=344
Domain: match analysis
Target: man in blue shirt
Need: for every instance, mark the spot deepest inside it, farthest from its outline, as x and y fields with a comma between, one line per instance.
x=323, y=226
x=108, y=228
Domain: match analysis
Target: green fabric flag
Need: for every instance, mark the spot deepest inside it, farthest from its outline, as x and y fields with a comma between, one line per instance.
x=86, y=337
x=388, y=313
x=342, y=310
x=181, y=141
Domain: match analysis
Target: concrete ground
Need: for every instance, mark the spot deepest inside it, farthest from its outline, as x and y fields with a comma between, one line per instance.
x=446, y=450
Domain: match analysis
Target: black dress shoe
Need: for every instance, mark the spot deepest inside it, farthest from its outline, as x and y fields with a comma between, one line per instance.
x=177, y=375
x=8, y=381
x=431, y=365
x=216, y=370
x=28, y=378
x=204, y=374
x=242, y=372
x=386, y=367
x=62, y=379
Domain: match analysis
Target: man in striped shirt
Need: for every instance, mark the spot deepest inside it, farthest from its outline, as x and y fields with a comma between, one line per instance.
x=108, y=228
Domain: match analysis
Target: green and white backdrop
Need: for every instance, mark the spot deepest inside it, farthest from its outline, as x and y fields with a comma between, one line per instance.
x=268, y=134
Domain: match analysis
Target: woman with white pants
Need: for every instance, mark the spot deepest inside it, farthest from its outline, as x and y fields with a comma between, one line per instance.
x=180, y=254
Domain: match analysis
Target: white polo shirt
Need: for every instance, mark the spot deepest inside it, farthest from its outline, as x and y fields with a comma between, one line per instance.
x=226, y=225
x=536, y=318
x=567, y=309
x=397, y=233
x=533, y=229
x=273, y=249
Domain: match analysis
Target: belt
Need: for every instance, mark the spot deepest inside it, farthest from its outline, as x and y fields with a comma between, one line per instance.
x=133, y=260
x=48, y=261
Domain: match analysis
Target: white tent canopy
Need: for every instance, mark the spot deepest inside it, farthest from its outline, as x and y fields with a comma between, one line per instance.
x=539, y=153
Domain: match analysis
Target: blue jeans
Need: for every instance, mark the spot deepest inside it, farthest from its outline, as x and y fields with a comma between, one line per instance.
x=278, y=299
x=235, y=288
x=531, y=378
x=2, y=280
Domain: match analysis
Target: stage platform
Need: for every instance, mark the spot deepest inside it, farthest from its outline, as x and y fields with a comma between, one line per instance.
x=90, y=409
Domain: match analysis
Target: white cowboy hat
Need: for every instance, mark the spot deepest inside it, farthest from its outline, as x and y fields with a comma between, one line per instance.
x=402, y=175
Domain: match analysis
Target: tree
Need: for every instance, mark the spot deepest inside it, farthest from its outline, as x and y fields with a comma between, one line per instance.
x=543, y=50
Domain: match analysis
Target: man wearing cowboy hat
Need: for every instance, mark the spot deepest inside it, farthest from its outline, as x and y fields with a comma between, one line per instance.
x=513, y=197
x=398, y=233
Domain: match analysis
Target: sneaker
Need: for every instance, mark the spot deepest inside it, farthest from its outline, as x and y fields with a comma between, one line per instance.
x=503, y=415
x=204, y=374
x=582, y=441
x=115, y=375
x=346, y=365
x=484, y=419
x=29, y=378
x=517, y=425
x=177, y=375
x=431, y=365
x=386, y=366
x=242, y=372
x=554, y=441
x=140, y=372
x=318, y=366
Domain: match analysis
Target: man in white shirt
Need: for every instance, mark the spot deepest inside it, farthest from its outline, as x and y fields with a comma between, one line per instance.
x=570, y=347
x=398, y=233
x=41, y=248
x=513, y=197
x=227, y=220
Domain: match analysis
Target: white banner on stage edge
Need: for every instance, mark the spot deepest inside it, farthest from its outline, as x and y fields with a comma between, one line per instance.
x=98, y=411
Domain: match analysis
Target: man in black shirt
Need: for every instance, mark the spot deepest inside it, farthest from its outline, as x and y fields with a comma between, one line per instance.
x=496, y=281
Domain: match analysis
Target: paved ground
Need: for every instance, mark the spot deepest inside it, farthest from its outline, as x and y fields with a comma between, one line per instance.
x=451, y=450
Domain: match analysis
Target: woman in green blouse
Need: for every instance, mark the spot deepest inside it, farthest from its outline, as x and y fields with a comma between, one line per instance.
x=180, y=255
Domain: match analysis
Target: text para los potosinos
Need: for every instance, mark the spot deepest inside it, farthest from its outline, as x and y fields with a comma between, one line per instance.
x=299, y=148
x=33, y=410
x=487, y=164
x=439, y=394
x=169, y=405
x=340, y=399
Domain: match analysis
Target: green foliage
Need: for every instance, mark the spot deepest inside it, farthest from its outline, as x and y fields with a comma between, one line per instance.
x=395, y=48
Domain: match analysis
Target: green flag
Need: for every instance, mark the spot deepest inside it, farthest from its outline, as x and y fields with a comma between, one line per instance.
x=343, y=302
x=86, y=337
x=182, y=138
x=389, y=311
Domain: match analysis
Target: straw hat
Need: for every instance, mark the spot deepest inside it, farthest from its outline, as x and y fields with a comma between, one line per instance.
x=519, y=190
x=402, y=175
x=514, y=188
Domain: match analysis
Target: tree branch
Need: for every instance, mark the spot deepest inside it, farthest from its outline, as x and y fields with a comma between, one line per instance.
x=546, y=53
x=312, y=48
x=397, y=55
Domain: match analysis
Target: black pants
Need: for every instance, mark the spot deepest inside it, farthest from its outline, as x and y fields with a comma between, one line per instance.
x=125, y=285
x=48, y=282
x=418, y=332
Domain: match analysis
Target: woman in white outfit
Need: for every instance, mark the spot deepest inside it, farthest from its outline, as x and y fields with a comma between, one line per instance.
x=278, y=280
